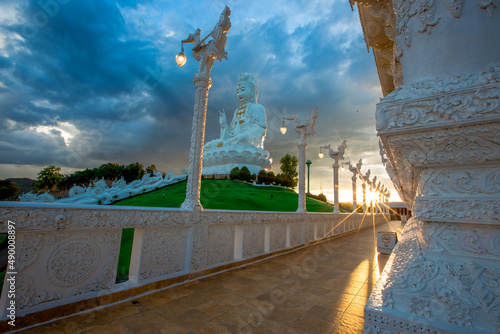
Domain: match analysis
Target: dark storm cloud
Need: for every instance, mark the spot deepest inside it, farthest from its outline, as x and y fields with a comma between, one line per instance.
x=103, y=72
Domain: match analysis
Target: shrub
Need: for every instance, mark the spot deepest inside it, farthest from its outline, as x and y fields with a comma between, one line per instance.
x=320, y=197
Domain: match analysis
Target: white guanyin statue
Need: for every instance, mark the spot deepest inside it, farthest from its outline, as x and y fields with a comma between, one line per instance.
x=241, y=142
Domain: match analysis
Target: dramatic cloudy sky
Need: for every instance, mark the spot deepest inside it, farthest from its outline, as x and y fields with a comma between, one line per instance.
x=88, y=82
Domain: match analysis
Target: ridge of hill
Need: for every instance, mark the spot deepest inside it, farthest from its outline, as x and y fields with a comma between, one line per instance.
x=25, y=184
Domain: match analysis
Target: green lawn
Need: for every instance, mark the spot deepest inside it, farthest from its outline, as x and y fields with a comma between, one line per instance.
x=228, y=195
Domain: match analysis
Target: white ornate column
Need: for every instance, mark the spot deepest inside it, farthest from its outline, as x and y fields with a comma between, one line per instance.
x=304, y=130
x=372, y=188
x=335, y=167
x=202, y=83
x=364, y=180
x=440, y=128
x=205, y=54
x=363, y=185
x=354, y=202
x=380, y=203
x=336, y=156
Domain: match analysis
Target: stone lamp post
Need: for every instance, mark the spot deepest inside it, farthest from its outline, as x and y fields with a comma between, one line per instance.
x=308, y=163
x=336, y=156
x=378, y=188
x=364, y=180
x=355, y=171
x=304, y=129
x=205, y=54
x=372, y=185
x=385, y=200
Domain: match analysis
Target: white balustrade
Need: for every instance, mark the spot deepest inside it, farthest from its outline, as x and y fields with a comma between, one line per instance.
x=69, y=253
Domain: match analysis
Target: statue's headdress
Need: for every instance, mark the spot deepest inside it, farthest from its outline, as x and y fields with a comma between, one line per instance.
x=247, y=77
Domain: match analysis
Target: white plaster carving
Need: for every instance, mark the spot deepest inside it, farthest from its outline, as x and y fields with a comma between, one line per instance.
x=103, y=282
x=435, y=86
x=461, y=240
x=277, y=237
x=27, y=295
x=28, y=253
x=422, y=13
x=456, y=100
x=56, y=265
x=99, y=190
x=472, y=144
x=481, y=210
x=455, y=7
x=488, y=5
x=439, y=288
x=199, y=257
x=379, y=323
x=253, y=240
x=72, y=262
x=220, y=244
x=295, y=234
x=460, y=181
x=164, y=252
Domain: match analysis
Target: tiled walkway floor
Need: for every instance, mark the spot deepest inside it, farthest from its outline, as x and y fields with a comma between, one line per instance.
x=317, y=289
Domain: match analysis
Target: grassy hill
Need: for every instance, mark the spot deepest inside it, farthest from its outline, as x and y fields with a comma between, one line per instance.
x=228, y=195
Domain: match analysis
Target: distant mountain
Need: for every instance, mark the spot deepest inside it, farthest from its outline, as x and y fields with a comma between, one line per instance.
x=25, y=184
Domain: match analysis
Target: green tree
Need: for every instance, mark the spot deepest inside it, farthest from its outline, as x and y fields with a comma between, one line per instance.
x=245, y=174
x=133, y=172
x=287, y=181
x=8, y=189
x=271, y=178
x=279, y=179
x=109, y=171
x=79, y=177
x=48, y=178
x=288, y=167
x=262, y=176
x=151, y=169
x=235, y=173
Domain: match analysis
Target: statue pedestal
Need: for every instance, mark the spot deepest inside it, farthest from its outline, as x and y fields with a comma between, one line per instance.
x=222, y=160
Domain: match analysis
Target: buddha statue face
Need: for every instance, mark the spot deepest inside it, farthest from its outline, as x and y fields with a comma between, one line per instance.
x=245, y=93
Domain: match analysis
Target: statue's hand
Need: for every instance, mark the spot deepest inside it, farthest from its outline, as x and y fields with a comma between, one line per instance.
x=222, y=117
